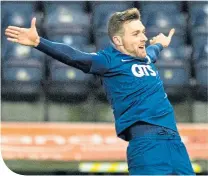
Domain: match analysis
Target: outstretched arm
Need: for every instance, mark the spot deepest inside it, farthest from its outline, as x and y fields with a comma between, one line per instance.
x=87, y=62
x=70, y=56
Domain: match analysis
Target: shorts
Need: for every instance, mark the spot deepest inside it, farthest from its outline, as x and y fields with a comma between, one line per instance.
x=158, y=154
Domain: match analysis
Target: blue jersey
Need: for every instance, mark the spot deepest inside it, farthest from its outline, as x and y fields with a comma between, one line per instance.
x=135, y=90
x=133, y=85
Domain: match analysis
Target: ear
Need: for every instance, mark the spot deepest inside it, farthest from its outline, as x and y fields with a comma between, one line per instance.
x=117, y=40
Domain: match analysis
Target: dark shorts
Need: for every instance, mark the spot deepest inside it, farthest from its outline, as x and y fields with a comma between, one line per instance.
x=159, y=153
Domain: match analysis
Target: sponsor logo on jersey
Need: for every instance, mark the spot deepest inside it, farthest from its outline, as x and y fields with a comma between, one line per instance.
x=142, y=70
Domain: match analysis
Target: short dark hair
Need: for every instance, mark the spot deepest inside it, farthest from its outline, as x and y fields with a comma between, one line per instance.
x=116, y=21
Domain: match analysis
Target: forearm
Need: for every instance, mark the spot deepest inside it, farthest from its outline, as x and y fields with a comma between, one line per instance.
x=159, y=47
x=65, y=54
x=154, y=51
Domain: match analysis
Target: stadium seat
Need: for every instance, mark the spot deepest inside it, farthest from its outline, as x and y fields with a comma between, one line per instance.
x=65, y=19
x=19, y=19
x=78, y=41
x=201, y=71
x=14, y=51
x=18, y=14
x=198, y=12
x=170, y=54
x=22, y=80
x=101, y=12
x=200, y=46
x=160, y=6
x=102, y=40
x=101, y=21
x=50, y=6
x=160, y=21
x=67, y=83
x=175, y=75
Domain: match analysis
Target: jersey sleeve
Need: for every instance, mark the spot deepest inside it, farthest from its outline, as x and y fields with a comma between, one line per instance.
x=153, y=52
x=95, y=63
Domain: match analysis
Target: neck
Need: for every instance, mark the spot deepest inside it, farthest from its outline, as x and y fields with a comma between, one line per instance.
x=123, y=50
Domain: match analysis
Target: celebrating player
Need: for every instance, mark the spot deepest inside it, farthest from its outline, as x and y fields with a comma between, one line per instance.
x=143, y=114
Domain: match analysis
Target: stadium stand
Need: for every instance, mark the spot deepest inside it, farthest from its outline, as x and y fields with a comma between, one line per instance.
x=69, y=22
x=198, y=23
x=22, y=66
x=72, y=24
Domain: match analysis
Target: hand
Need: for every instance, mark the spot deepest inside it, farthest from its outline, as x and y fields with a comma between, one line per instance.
x=162, y=39
x=24, y=36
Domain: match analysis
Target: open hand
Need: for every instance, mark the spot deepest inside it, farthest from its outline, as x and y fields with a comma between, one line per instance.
x=24, y=36
x=162, y=39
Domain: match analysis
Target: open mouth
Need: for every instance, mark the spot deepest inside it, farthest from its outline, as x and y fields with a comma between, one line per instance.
x=141, y=47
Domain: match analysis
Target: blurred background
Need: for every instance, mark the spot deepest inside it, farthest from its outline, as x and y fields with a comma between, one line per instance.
x=36, y=89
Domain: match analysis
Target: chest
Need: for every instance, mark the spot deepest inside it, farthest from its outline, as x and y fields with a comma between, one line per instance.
x=133, y=68
x=132, y=75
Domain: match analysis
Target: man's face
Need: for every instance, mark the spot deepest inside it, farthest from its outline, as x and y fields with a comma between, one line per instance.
x=134, y=38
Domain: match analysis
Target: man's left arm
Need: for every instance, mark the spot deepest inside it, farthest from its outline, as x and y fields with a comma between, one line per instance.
x=158, y=43
x=153, y=52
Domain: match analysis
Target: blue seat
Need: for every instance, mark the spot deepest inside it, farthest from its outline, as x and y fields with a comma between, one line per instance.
x=22, y=80
x=20, y=19
x=102, y=40
x=164, y=21
x=160, y=6
x=51, y=6
x=101, y=12
x=198, y=20
x=78, y=41
x=175, y=75
x=100, y=21
x=201, y=70
x=200, y=46
x=66, y=19
x=14, y=51
x=67, y=83
x=18, y=14
x=170, y=54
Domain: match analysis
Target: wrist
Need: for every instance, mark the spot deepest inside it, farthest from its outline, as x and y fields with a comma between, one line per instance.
x=160, y=46
x=37, y=41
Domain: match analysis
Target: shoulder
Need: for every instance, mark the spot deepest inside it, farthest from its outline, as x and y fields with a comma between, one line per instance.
x=108, y=53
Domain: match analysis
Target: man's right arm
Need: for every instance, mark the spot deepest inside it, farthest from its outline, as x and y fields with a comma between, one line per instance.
x=96, y=63
x=87, y=62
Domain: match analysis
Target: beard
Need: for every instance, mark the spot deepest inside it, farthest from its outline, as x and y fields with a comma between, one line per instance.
x=141, y=53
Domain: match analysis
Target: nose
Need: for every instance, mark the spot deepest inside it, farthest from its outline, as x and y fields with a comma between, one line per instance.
x=144, y=38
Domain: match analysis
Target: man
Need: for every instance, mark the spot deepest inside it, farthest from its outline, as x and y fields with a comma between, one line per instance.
x=143, y=113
